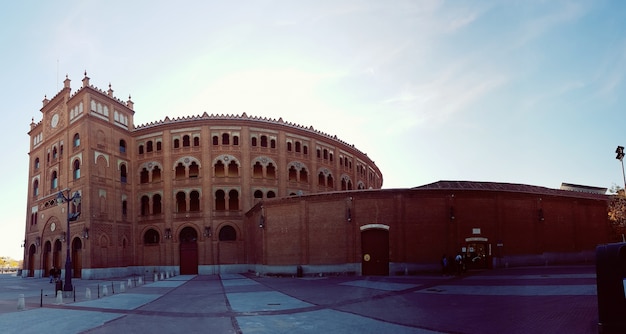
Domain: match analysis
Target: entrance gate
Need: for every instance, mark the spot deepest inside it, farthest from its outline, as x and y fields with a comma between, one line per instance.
x=375, y=250
x=188, y=251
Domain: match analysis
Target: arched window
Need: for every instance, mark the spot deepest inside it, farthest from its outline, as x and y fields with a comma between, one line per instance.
x=180, y=171
x=196, y=141
x=36, y=188
x=156, y=204
x=329, y=181
x=257, y=170
x=194, y=201
x=271, y=194
x=228, y=233
x=37, y=163
x=220, y=200
x=186, y=141
x=305, y=149
x=149, y=146
x=289, y=146
x=193, y=170
x=321, y=180
x=151, y=237
x=258, y=194
x=158, y=145
x=325, y=154
x=55, y=180
x=145, y=205
x=263, y=141
x=156, y=174
x=225, y=139
x=219, y=169
x=76, y=140
x=233, y=169
x=181, y=202
x=236, y=140
x=124, y=208
x=140, y=149
x=76, y=169
x=233, y=200
x=55, y=153
x=254, y=141
x=215, y=140
x=271, y=171
x=304, y=176
x=273, y=143
x=122, y=146
x=298, y=147
x=176, y=143
x=293, y=174
x=143, y=176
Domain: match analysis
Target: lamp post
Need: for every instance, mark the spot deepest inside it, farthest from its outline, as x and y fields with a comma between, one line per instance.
x=61, y=198
x=620, y=157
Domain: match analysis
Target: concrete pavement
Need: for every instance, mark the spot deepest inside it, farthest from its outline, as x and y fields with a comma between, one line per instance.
x=516, y=300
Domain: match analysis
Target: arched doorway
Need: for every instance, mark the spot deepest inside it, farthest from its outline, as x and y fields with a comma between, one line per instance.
x=188, y=239
x=56, y=254
x=375, y=250
x=477, y=253
x=227, y=247
x=47, y=253
x=77, y=259
x=31, y=260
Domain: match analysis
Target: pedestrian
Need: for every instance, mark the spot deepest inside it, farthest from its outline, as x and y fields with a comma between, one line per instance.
x=459, y=264
x=444, y=265
x=52, y=273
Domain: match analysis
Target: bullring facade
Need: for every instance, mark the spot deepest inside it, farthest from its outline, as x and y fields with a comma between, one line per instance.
x=213, y=194
x=169, y=194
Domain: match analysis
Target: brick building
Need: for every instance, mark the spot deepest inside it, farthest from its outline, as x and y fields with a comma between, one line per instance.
x=393, y=231
x=169, y=195
x=212, y=194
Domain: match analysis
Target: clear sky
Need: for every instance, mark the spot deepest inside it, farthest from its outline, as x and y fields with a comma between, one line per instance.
x=524, y=91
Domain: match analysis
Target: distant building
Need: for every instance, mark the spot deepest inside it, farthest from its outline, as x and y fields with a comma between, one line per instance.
x=585, y=189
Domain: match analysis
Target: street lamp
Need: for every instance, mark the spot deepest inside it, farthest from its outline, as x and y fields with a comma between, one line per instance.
x=620, y=157
x=61, y=198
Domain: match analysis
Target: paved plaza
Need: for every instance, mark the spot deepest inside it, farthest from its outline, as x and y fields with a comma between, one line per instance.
x=515, y=300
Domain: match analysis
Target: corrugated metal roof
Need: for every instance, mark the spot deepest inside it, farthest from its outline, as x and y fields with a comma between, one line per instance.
x=512, y=187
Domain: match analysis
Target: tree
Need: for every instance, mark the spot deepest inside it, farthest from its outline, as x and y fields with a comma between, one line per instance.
x=617, y=212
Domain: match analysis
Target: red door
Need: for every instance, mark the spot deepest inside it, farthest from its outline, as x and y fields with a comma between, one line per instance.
x=375, y=252
x=188, y=251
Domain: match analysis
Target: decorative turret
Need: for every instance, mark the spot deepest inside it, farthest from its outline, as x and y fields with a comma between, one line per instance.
x=45, y=100
x=129, y=103
x=66, y=82
x=86, y=80
x=110, y=91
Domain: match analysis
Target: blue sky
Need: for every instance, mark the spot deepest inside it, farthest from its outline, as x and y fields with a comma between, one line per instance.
x=525, y=91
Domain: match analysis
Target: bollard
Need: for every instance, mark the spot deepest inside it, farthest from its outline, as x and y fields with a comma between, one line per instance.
x=88, y=294
x=105, y=290
x=156, y=277
x=122, y=287
x=21, y=303
x=129, y=283
x=167, y=274
x=59, y=299
x=140, y=282
x=162, y=277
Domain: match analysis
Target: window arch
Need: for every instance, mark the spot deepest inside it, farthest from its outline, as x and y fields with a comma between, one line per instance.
x=186, y=141
x=193, y=170
x=236, y=140
x=225, y=139
x=258, y=194
x=263, y=141
x=123, y=173
x=145, y=205
x=233, y=168
x=36, y=163
x=176, y=143
x=122, y=146
x=196, y=141
x=144, y=176
x=215, y=140
x=151, y=237
x=76, y=171
x=76, y=140
x=228, y=233
x=293, y=174
x=220, y=200
x=257, y=170
x=297, y=147
x=36, y=188
x=304, y=175
x=180, y=171
x=254, y=141
x=140, y=149
x=181, y=202
x=194, y=201
x=156, y=174
x=219, y=169
x=55, y=180
x=156, y=204
x=270, y=171
x=149, y=146
x=233, y=200
x=55, y=153
x=271, y=194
